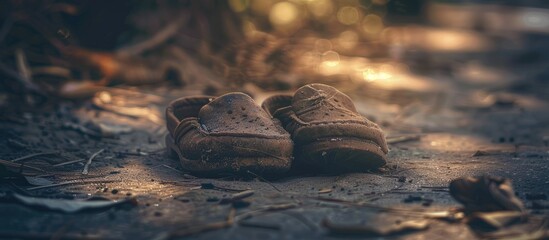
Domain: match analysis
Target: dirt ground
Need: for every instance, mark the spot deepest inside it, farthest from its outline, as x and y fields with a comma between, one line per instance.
x=507, y=139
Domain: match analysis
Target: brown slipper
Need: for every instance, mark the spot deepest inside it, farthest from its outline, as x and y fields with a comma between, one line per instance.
x=328, y=133
x=227, y=134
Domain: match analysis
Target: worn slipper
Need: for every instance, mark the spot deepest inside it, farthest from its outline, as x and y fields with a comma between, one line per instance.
x=328, y=133
x=227, y=134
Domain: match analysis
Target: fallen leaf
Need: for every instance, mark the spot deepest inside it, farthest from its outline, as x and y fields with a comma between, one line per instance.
x=38, y=181
x=68, y=206
x=485, y=194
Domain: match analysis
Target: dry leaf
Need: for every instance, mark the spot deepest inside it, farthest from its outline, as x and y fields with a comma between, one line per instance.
x=485, y=194
x=68, y=206
x=37, y=181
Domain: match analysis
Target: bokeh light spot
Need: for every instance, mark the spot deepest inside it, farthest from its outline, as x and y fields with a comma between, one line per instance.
x=347, y=15
x=348, y=39
x=283, y=13
x=320, y=8
x=330, y=59
x=372, y=24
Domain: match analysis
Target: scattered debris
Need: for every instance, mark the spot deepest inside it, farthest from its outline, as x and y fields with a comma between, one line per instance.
x=85, y=171
x=403, y=139
x=264, y=180
x=485, y=193
x=325, y=190
x=69, y=162
x=237, y=197
x=33, y=155
x=19, y=166
x=69, y=206
x=111, y=131
x=73, y=182
x=209, y=185
x=412, y=225
x=107, y=101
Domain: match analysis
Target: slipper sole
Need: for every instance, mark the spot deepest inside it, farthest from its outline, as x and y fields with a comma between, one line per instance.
x=340, y=155
x=263, y=166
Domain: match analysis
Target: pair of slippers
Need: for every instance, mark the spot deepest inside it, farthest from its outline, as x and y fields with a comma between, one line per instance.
x=317, y=129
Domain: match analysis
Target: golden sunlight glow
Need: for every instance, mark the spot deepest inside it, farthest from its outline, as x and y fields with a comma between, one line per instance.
x=330, y=58
x=371, y=75
x=320, y=8
x=323, y=45
x=310, y=59
x=104, y=96
x=348, y=15
x=372, y=24
x=283, y=13
x=448, y=40
x=249, y=28
x=239, y=5
x=348, y=39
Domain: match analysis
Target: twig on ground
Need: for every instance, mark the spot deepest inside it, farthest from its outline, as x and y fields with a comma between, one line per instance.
x=237, y=197
x=33, y=155
x=264, y=180
x=265, y=209
x=20, y=165
x=73, y=182
x=68, y=162
x=403, y=139
x=85, y=171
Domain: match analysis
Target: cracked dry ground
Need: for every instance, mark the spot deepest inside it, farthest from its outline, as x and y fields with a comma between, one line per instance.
x=506, y=141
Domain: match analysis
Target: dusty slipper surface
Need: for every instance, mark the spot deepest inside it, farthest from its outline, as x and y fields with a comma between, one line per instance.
x=329, y=134
x=228, y=134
